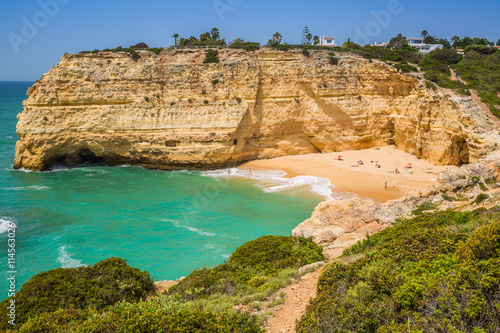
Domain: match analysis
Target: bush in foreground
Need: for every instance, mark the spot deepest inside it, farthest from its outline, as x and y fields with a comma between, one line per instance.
x=432, y=273
x=254, y=271
x=104, y=284
x=161, y=314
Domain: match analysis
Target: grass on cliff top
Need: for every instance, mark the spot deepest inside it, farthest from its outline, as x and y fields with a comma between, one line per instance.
x=433, y=273
x=109, y=296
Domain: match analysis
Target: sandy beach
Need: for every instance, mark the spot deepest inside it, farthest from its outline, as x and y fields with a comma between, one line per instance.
x=367, y=180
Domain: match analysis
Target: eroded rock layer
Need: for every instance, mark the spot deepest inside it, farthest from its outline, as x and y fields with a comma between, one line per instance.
x=171, y=111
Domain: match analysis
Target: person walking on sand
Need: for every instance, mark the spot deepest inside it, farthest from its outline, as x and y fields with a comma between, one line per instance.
x=385, y=185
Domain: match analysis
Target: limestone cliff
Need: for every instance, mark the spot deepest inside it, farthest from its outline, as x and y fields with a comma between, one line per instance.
x=171, y=111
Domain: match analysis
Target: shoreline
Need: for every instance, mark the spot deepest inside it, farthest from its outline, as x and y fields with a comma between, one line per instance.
x=365, y=180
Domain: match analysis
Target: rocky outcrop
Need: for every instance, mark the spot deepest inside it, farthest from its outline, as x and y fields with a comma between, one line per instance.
x=340, y=223
x=171, y=111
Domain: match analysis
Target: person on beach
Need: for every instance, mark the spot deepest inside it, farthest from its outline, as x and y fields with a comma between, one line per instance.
x=385, y=185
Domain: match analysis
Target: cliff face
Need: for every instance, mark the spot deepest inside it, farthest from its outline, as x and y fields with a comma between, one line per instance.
x=170, y=111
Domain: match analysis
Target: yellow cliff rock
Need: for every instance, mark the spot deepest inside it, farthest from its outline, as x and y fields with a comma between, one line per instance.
x=171, y=111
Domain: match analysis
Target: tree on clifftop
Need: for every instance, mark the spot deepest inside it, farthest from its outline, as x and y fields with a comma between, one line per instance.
x=215, y=33
x=455, y=41
x=306, y=36
x=276, y=40
x=175, y=36
x=398, y=42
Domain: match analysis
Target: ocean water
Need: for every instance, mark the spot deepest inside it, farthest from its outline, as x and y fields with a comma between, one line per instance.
x=167, y=223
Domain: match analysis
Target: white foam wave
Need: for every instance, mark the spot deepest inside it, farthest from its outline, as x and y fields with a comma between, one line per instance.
x=5, y=224
x=274, y=181
x=192, y=229
x=8, y=137
x=29, y=188
x=66, y=260
x=20, y=170
x=320, y=186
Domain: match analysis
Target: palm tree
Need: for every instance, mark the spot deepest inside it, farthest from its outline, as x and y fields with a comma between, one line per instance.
x=316, y=40
x=424, y=34
x=175, y=36
x=455, y=40
x=277, y=37
x=309, y=37
x=237, y=41
x=215, y=33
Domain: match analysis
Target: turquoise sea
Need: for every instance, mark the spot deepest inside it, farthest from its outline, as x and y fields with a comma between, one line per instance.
x=167, y=223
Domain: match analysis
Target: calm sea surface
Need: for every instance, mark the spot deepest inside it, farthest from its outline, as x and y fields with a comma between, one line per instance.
x=167, y=223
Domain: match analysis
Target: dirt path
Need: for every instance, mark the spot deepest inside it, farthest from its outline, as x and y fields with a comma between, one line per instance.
x=296, y=300
x=297, y=297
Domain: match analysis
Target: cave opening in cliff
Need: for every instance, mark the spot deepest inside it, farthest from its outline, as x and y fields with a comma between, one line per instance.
x=460, y=152
x=235, y=142
x=82, y=156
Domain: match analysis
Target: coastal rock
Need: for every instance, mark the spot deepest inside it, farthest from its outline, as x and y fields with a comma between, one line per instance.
x=171, y=111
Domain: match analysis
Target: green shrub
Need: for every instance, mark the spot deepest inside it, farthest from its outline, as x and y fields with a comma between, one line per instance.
x=480, y=198
x=172, y=103
x=247, y=46
x=333, y=60
x=448, y=197
x=481, y=49
x=484, y=243
x=432, y=273
x=211, y=57
x=156, y=50
x=205, y=101
x=146, y=98
x=166, y=315
x=104, y=284
x=62, y=320
x=238, y=99
x=268, y=254
x=259, y=266
x=161, y=314
x=306, y=52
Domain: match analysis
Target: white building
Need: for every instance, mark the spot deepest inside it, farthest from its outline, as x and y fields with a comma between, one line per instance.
x=327, y=41
x=419, y=44
x=383, y=44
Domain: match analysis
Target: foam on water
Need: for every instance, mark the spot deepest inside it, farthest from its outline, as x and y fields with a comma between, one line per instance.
x=66, y=260
x=192, y=229
x=274, y=181
x=27, y=188
x=5, y=224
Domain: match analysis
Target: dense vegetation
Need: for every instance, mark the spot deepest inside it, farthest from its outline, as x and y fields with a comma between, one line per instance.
x=253, y=273
x=110, y=296
x=158, y=315
x=104, y=284
x=481, y=70
x=431, y=273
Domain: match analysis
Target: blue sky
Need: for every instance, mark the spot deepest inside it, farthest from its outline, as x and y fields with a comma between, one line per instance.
x=60, y=26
